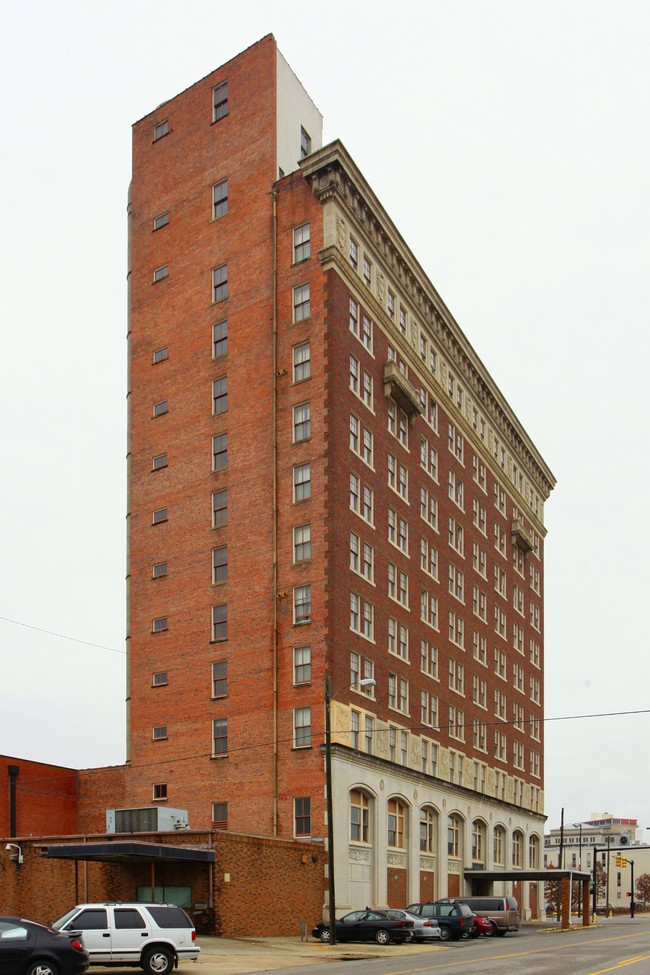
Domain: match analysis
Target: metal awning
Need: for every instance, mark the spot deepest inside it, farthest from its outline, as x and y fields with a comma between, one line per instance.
x=542, y=876
x=127, y=851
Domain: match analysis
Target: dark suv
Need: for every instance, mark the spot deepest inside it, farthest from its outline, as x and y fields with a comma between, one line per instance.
x=454, y=918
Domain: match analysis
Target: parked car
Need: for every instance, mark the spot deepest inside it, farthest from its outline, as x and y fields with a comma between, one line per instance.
x=28, y=948
x=482, y=925
x=155, y=937
x=423, y=928
x=367, y=925
x=453, y=917
x=503, y=912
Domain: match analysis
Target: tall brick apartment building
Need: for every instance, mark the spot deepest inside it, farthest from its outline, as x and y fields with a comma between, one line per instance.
x=324, y=480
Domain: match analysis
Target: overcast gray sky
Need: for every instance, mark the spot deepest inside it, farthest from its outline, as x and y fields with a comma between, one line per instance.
x=508, y=139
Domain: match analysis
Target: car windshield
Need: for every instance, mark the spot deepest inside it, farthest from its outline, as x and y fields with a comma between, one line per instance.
x=57, y=925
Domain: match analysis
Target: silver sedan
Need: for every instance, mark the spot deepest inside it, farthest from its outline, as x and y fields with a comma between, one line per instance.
x=424, y=928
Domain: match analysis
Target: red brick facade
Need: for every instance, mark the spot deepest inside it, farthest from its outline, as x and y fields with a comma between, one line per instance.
x=45, y=798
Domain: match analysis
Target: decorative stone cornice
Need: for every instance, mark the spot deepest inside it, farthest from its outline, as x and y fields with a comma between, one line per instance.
x=402, y=391
x=333, y=175
x=520, y=536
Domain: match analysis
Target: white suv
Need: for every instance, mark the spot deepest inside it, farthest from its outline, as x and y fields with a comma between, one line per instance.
x=154, y=936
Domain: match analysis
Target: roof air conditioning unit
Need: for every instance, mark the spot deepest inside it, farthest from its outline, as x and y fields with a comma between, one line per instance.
x=624, y=839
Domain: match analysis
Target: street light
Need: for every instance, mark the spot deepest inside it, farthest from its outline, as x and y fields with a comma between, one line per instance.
x=364, y=682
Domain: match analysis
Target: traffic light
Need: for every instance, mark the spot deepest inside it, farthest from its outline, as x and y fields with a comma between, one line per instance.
x=624, y=861
x=618, y=859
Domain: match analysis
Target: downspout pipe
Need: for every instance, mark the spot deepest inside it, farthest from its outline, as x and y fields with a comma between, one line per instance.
x=274, y=205
x=13, y=771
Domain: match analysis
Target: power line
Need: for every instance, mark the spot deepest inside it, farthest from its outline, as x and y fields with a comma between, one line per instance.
x=61, y=636
x=376, y=731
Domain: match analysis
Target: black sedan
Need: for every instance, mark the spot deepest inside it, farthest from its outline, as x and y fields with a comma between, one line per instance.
x=367, y=926
x=28, y=948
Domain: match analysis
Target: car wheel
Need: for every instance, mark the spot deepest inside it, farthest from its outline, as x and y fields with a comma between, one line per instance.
x=445, y=933
x=325, y=936
x=500, y=932
x=158, y=961
x=494, y=930
x=382, y=937
x=42, y=968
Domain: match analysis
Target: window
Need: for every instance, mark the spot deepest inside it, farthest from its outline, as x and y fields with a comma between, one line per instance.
x=479, y=559
x=397, y=423
x=478, y=841
x=457, y=583
x=219, y=678
x=161, y=220
x=478, y=473
x=160, y=129
x=456, y=536
x=500, y=624
x=219, y=339
x=220, y=736
x=517, y=849
x=219, y=395
x=359, y=816
x=219, y=815
x=402, y=320
x=366, y=333
x=160, y=790
x=397, y=584
x=428, y=709
x=302, y=817
x=220, y=622
x=362, y=668
x=302, y=482
x=479, y=603
x=499, y=845
x=302, y=665
x=159, y=516
x=456, y=443
x=159, y=732
x=367, y=271
x=353, y=253
x=159, y=679
x=479, y=740
x=456, y=677
x=398, y=693
x=159, y=462
x=159, y=624
x=301, y=362
x=479, y=691
x=456, y=727
x=220, y=199
x=428, y=659
x=429, y=608
x=302, y=604
x=456, y=490
x=301, y=727
x=429, y=508
x=220, y=564
x=395, y=823
x=533, y=852
x=479, y=647
x=220, y=282
x=398, y=638
x=301, y=543
x=160, y=355
x=219, y=451
x=161, y=408
x=457, y=630
x=301, y=243
x=220, y=101
x=305, y=142
x=301, y=422
x=427, y=826
x=301, y=303
x=361, y=616
x=219, y=508
x=428, y=458
x=428, y=558
x=367, y=389
x=479, y=516
x=453, y=836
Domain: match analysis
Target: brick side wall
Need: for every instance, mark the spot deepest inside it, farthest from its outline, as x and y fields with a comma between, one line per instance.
x=45, y=798
x=396, y=887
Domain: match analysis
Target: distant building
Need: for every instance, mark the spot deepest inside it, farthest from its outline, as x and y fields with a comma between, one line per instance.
x=601, y=830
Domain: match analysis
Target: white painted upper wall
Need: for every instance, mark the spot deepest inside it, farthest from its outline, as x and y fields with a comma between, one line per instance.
x=294, y=109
